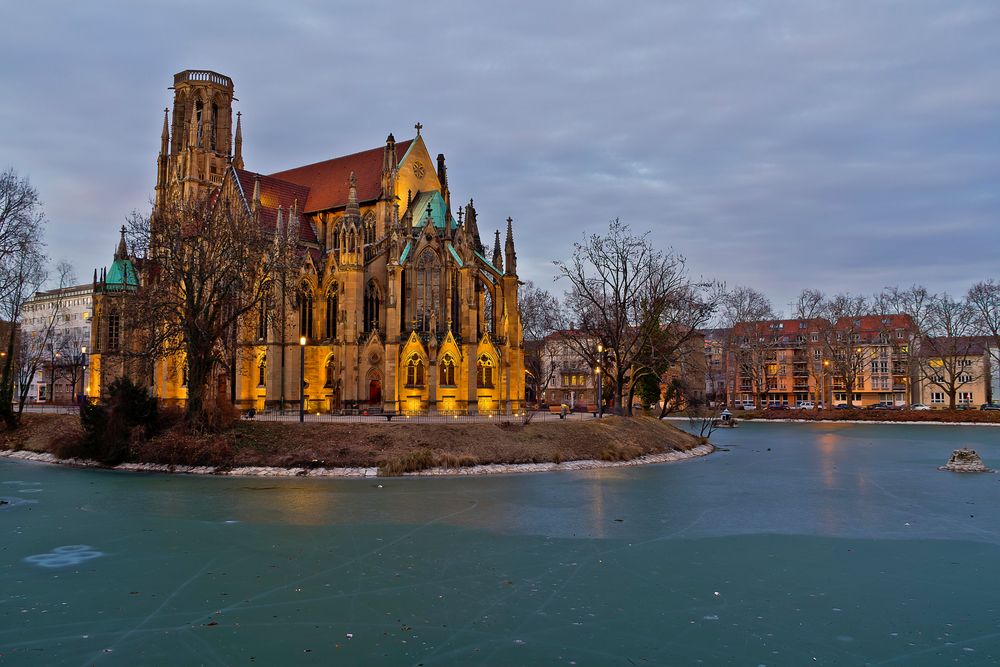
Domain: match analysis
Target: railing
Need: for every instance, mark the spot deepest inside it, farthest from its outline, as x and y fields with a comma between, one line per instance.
x=203, y=75
x=416, y=417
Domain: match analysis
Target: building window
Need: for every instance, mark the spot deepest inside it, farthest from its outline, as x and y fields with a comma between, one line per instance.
x=262, y=372
x=937, y=397
x=114, y=331
x=428, y=293
x=965, y=397
x=485, y=372
x=305, y=306
x=964, y=378
x=414, y=372
x=331, y=313
x=373, y=306
x=262, y=316
x=447, y=372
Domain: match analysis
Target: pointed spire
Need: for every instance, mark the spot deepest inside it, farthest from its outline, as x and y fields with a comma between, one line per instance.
x=471, y=229
x=122, y=251
x=95, y=277
x=165, y=135
x=353, y=211
x=497, y=257
x=238, y=156
x=255, y=203
x=279, y=227
x=389, y=167
x=509, y=249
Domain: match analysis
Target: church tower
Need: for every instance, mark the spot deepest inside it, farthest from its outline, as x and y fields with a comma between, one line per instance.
x=196, y=147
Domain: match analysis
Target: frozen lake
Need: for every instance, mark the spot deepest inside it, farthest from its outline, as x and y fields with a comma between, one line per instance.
x=802, y=544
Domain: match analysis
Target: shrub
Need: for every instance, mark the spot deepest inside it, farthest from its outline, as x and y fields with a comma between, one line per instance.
x=129, y=417
x=619, y=452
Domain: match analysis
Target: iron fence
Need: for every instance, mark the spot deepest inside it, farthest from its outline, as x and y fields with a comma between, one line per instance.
x=378, y=417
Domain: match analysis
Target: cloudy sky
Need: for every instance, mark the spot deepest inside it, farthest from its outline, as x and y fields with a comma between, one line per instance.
x=844, y=146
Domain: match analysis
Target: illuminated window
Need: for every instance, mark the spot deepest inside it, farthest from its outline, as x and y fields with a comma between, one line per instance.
x=114, y=331
x=305, y=307
x=373, y=306
x=262, y=371
x=447, y=372
x=485, y=372
x=414, y=372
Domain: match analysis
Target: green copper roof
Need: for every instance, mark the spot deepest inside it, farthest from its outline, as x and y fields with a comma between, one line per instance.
x=122, y=275
x=438, y=210
x=406, y=253
x=488, y=262
x=454, y=254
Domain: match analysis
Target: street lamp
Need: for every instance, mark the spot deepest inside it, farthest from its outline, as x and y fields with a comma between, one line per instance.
x=83, y=372
x=302, y=378
x=822, y=382
x=599, y=382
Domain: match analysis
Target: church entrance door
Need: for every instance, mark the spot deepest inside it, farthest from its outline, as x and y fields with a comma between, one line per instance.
x=375, y=392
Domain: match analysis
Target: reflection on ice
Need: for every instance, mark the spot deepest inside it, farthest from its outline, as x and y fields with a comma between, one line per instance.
x=66, y=556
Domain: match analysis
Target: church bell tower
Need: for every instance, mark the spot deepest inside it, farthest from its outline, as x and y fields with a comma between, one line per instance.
x=196, y=147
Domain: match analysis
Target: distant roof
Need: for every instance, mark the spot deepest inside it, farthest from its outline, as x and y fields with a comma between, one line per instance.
x=326, y=181
x=275, y=192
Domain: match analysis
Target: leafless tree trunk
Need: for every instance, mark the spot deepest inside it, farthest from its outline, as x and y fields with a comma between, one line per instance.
x=210, y=264
x=22, y=272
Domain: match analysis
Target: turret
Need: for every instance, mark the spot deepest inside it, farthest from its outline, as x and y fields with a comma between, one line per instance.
x=442, y=172
x=472, y=230
x=497, y=257
x=509, y=250
x=238, y=154
x=389, y=168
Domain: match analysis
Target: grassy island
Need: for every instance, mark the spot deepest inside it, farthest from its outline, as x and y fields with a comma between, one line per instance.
x=394, y=448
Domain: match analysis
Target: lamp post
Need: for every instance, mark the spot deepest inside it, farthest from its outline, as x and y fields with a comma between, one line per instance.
x=302, y=378
x=83, y=373
x=599, y=388
x=822, y=383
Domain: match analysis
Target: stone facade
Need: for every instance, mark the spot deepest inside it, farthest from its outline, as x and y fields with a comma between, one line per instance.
x=399, y=302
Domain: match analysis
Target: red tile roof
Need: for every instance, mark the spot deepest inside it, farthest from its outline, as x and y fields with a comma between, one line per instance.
x=876, y=323
x=326, y=181
x=273, y=193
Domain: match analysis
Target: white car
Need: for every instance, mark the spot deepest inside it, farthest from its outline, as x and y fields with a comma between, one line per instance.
x=920, y=406
x=804, y=405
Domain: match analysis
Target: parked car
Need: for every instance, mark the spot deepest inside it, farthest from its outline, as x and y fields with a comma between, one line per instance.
x=776, y=406
x=842, y=406
x=990, y=406
x=920, y=406
x=803, y=405
x=744, y=405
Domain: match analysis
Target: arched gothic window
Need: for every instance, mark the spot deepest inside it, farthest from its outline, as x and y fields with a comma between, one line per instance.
x=373, y=306
x=484, y=376
x=488, y=312
x=331, y=372
x=414, y=371
x=199, y=108
x=305, y=306
x=331, y=312
x=262, y=317
x=262, y=371
x=428, y=289
x=447, y=366
x=213, y=130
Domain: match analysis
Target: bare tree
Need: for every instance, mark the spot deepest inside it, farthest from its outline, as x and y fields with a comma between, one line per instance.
x=984, y=299
x=539, y=318
x=34, y=347
x=750, y=344
x=950, y=355
x=209, y=266
x=624, y=294
x=842, y=338
x=22, y=272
